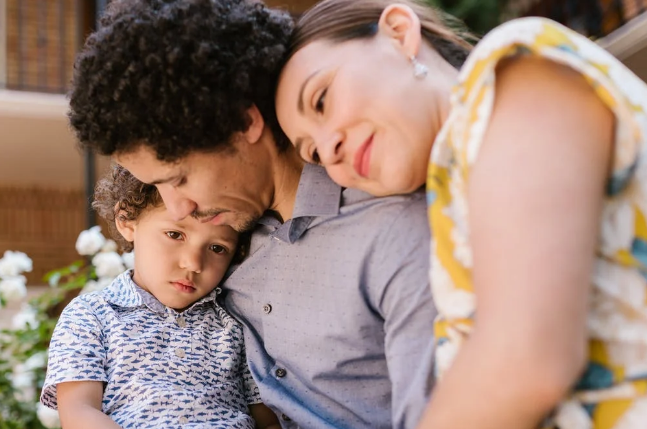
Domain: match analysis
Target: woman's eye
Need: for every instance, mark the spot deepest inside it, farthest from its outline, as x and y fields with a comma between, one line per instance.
x=181, y=181
x=216, y=248
x=319, y=105
x=174, y=235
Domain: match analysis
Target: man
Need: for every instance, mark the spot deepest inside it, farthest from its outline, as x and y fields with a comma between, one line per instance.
x=334, y=296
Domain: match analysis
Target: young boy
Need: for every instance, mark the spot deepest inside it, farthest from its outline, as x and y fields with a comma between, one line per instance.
x=154, y=349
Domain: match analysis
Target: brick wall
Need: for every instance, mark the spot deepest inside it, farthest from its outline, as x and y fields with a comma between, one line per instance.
x=43, y=223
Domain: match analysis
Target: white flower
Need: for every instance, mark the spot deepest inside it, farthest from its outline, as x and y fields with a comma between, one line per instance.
x=54, y=279
x=48, y=417
x=14, y=263
x=23, y=382
x=26, y=318
x=129, y=260
x=36, y=361
x=110, y=246
x=108, y=264
x=93, y=285
x=13, y=289
x=90, y=241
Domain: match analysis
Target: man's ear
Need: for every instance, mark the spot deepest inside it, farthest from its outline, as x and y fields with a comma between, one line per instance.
x=255, y=130
x=125, y=227
x=400, y=23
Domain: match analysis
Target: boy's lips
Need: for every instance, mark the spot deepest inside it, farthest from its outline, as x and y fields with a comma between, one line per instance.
x=183, y=285
x=362, y=161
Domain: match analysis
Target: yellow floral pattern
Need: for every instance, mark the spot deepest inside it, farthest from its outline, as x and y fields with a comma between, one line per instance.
x=612, y=393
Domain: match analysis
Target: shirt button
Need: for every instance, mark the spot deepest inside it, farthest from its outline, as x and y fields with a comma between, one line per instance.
x=181, y=321
x=280, y=372
x=184, y=420
x=267, y=309
x=286, y=418
x=179, y=353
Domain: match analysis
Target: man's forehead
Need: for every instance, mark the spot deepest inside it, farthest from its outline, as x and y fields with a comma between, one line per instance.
x=144, y=165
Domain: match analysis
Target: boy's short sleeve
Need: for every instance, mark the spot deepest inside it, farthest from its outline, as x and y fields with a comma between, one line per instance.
x=77, y=351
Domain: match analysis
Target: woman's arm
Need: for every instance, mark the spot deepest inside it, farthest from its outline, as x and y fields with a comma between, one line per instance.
x=535, y=198
x=264, y=417
x=79, y=406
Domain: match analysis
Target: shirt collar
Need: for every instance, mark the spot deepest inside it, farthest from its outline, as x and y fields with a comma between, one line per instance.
x=124, y=292
x=317, y=195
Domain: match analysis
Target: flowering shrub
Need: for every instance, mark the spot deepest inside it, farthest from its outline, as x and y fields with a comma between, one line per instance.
x=23, y=347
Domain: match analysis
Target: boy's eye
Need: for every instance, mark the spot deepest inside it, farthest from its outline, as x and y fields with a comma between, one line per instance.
x=216, y=248
x=174, y=235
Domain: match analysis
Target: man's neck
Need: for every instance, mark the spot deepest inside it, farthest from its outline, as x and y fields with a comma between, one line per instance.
x=286, y=182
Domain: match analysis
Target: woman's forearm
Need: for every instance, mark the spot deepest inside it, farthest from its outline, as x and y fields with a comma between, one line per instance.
x=494, y=385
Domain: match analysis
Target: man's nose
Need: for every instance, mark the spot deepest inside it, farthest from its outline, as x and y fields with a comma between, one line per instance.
x=330, y=147
x=178, y=206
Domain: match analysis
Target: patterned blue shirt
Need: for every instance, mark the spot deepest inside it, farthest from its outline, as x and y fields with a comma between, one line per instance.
x=160, y=368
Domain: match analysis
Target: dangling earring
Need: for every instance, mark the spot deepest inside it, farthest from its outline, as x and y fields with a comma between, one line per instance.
x=419, y=70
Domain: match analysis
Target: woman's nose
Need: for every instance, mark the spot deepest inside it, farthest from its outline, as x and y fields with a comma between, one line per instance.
x=330, y=148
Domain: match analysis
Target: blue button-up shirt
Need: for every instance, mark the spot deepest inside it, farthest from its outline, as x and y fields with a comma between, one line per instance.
x=337, y=308
x=161, y=368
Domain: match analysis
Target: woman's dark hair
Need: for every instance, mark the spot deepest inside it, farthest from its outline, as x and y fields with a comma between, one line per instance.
x=177, y=75
x=342, y=20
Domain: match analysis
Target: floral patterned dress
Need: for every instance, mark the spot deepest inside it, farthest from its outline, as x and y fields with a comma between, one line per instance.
x=612, y=393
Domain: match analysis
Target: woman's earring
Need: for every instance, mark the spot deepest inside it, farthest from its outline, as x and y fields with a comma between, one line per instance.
x=419, y=70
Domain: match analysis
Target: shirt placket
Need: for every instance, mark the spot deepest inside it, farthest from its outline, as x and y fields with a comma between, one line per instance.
x=180, y=349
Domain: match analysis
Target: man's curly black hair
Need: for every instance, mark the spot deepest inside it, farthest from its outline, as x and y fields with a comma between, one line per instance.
x=177, y=75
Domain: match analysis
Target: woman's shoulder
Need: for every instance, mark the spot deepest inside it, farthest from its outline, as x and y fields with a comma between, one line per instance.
x=544, y=38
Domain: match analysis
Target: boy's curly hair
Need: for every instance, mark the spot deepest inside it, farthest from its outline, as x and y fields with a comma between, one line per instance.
x=119, y=195
x=177, y=75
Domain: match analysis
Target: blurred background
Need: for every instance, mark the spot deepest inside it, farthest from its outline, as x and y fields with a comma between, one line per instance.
x=46, y=182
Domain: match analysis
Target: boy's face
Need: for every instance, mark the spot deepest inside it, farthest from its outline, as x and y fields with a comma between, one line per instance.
x=179, y=262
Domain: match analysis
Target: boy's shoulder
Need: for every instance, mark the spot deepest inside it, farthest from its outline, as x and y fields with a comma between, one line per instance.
x=102, y=294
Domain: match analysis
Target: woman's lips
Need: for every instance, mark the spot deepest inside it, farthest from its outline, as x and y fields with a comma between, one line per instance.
x=362, y=161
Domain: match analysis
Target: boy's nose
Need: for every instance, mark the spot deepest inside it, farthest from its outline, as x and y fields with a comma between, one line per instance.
x=192, y=261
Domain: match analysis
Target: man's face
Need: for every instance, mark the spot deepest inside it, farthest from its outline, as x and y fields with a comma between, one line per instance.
x=223, y=188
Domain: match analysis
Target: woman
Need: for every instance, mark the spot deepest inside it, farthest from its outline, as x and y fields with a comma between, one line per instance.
x=537, y=199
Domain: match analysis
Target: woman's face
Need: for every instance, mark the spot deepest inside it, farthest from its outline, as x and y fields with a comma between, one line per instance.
x=356, y=108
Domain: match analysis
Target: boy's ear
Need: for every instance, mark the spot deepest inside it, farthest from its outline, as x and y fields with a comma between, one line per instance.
x=125, y=227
